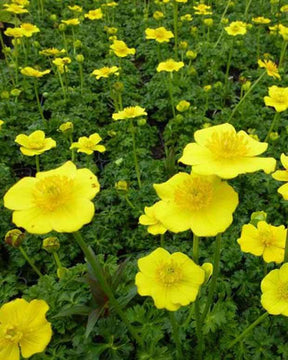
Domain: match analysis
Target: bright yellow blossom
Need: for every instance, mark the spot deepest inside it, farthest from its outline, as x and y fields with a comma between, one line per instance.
x=157, y=15
x=186, y=17
x=282, y=175
x=16, y=32
x=155, y=227
x=284, y=8
x=58, y=200
x=159, y=34
x=75, y=8
x=35, y=143
x=261, y=20
x=15, y=9
x=271, y=68
x=278, y=98
x=29, y=71
x=220, y=150
x=172, y=280
x=1, y=123
x=236, y=28
x=105, y=72
x=120, y=49
x=129, y=112
x=96, y=14
x=283, y=31
x=52, y=52
x=88, y=145
x=202, y=9
x=170, y=65
x=21, y=2
x=72, y=22
x=62, y=63
x=23, y=325
x=29, y=29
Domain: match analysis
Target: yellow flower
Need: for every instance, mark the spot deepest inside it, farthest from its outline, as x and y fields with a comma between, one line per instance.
x=207, y=88
x=15, y=9
x=62, y=63
x=208, y=22
x=274, y=29
x=52, y=52
x=271, y=68
x=58, y=200
x=159, y=34
x=202, y=9
x=88, y=145
x=236, y=28
x=261, y=20
x=278, y=98
x=219, y=150
x=21, y=2
x=155, y=227
x=283, y=31
x=181, y=1
x=23, y=324
x=284, y=8
x=282, y=175
x=157, y=15
x=29, y=71
x=274, y=289
x=170, y=65
x=172, y=280
x=183, y=105
x=72, y=22
x=96, y=14
x=186, y=17
x=203, y=204
x=14, y=32
x=35, y=143
x=105, y=72
x=29, y=29
x=120, y=49
x=75, y=8
x=1, y=123
x=110, y=4
x=265, y=240
x=129, y=112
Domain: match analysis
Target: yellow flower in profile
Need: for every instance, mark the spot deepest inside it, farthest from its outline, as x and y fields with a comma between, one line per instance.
x=274, y=29
x=155, y=227
x=271, y=68
x=170, y=65
x=261, y=20
x=15, y=9
x=58, y=200
x=96, y=14
x=274, y=289
x=181, y=1
x=283, y=31
x=266, y=240
x=186, y=17
x=220, y=150
x=129, y=112
x=120, y=49
x=75, y=8
x=35, y=143
x=203, y=204
x=284, y=8
x=29, y=71
x=236, y=28
x=105, y=72
x=172, y=280
x=202, y=9
x=88, y=145
x=62, y=63
x=71, y=22
x=278, y=98
x=52, y=52
x=23, y=324
x=282, y=175
x=159, y=34
x=16, y=32
x=29, y=29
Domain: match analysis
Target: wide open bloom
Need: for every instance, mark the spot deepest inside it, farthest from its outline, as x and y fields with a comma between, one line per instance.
x=282, y=175
x=203, y=204
x=58, y=199
x=170, y=65
x=23, y=326
x=172, y=280
x=96, y=14
x=35, y=143
x=274, y=288
x=266, y=240
x=106, y=71
x=236, y=28
x=29, y=71
x=278, y=98
x=155, y=227
x=29, y=29
x=159, y=34
x=15, y=9
x=88, y=145
x=271, y=68
x=129, y=112
x=120, y=49
x=222, y=151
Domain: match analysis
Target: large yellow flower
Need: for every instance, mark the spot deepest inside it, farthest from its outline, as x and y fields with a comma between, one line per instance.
x=15, y=9
x=35, y=143
x=23, y=324
x=172, y=280
x=271, y=68
x=129, y=112
x=58, y=199
x=170, y=65
x=282, y=175
x=274, y=287
x=236, y=28
x=204, y=204
x=16, y=32
x=29, y=71
x=155, y=227
x=88, y=145
x=159, y=34
x=106, y=71
x=29, y=29
x=265, y=240
x=120, y=49
x=278, y=98
x=96, y=14
x=222, y=151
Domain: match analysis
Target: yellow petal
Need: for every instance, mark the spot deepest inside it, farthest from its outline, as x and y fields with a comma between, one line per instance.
x=283, y=190
x=36, y=340
x=284, y=161
x=166, y=190
x=9, y=351
x=86, y=184
x=33, y=220
x=149, y=264
x=204, y=135
x=20, y=195
x=194, y=154
x=280, y=175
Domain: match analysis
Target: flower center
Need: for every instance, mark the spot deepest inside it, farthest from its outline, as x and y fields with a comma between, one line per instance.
x=194, y=194
x=36, y=144
x=283, y=291
x=281, y=98
x=169, y=274
x=266, y=238
x=89, y=144
x=12, y=334
x=228, y=145
x=52, y=192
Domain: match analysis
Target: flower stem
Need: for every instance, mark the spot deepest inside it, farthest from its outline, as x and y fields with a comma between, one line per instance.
x=81, y=77
x=282, y=54
x=274, y=122
x=62, y=85
x=175, y=331
x=30, y=262
x=195, y=249
x=162, y=240
x=170, y=90
x=228, y=67
x=247, y=8
x=72, y=150
x=245, y=332
x=175, y=17
x=37, y=162
x=104, y=284
x=38, y=100
x=132, y=128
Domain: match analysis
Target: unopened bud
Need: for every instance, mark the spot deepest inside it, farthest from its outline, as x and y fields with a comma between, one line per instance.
x=14, y=238
x=121, y=186
x=51, y=244
x=257, y=216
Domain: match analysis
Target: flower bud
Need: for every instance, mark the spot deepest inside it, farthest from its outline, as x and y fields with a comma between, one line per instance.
x=208, y=268
x=62, y=27
x=224, y=21
x=246, y=86
x=192, y=71
x=53, y=17
x=179, y=119
x=118, y=86
x=15, y=92
x=158, y=15
x=207, y=88
x=36, y=44
x=208, y=22
x=141, y=122
x=257, y=216
x=191, y=54
x=66, y=128
x=5, y=94
x=183, y=105
x=80, y=58
x=77, y=44
x=274, y=136
x=111, y=133
x=14, y=238
x=183, y=45
x=51, y=244
x=121, y=186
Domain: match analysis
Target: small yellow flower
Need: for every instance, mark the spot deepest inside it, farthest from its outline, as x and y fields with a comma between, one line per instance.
x=278, y=98
x=159, y=34
x=52, y=52
x=172, y=280
x=261, y=20
x=202, y=9
x=35, y=143
x=157, y=15
x=120, y=49
x=264, y=240
x=88, y=145
x=284, y=8
x=130, y=112
x=110, y=4
x=21, y=2
x=15, y=9
x=207, y=88
x=283, y=31
x=14, y=32
x=122, y=186
x=183, y=105
x=186, y=17
x=67, y=127
x=75, y=8
x=236, y=28
x=170, y=65
x=96, y=14
x=105, y=72
x=181, y=1
x=155, y=227
x=274, y=289
x=29, y=71
x=282, y=175
x=23, y=324
x=71, y=22
x=62, y=63
x=29, y=29
x=208, y=22
x=1, y=123
x=274, y=29
x=271, y=68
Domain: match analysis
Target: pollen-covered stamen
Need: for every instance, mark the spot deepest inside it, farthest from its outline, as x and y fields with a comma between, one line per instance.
x=12, y=334
x=194, y=194
x=52, y=192
x=169, y=273
x=266, y=237
x=283, y=291
x=228, y=145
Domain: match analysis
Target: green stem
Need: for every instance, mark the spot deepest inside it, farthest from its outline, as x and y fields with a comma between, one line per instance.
x=137, y=169
x=245, y=332
x=265, y=268
x=247, y=9
x=175, y=332
x=286, y=249
x=37, y=162
x=258, y=42
x=175, y=18
x=30, y=262
x=57, y=260
x=162, y=240
x=81, y=77
x=104, y=284
x=129, y=202
x=282, y=54
x=225, y=10
x=274, y=122
x=62, y=85
x=170, y=90
x=216, y=266
x=228, y=67
x=38, y=100
x=73, y=39
x=195, y=249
